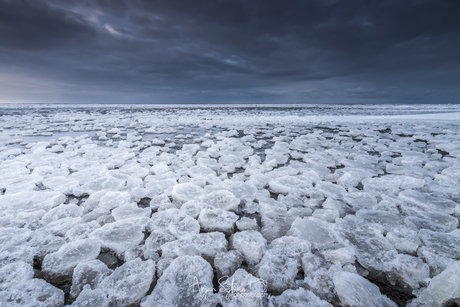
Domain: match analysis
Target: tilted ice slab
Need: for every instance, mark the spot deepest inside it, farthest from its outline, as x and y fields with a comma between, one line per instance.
x=60, y=265
x=281, y=262
x=354, y=290
x=186, y=282
x=319, y=233
x=299, y=297
x=33, y=293
x=30, y=201
x=174, y=222
x=88, y=274
x=129, y=283
x=442, y=287
x=206, y=245
x=119, y=236
x=250, y=244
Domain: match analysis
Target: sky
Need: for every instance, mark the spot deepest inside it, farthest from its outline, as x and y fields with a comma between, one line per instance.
x=219, y=51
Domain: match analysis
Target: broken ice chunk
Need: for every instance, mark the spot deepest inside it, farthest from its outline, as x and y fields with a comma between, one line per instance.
x=447, y=244
x=428, y=202
x=385, y=218
x=242, y=289
x=130, y=211
x=330, y=190
x=113, y=199
x=340, y=256
x=192, y=208
x=441, y=288
x=199, y=171
x=436, y=262
x=88, y=274
x=246, y=223
x=29, y=201
x=33, y=293
x=217, y=220
x=89, y=297
x=347, y=180
x=319, y=233
x=388, y=184
x=119, y=236
x=186, y=191
x=186, y=282
x=59, y=266
x=354, y=290
x=328, y=215
x=251, y=244
x=160, y=168
x=81, y=231
x=14, y=274
x=157, y=186
x=416, y=223
x=62, y=184
x=404, y=240
x=299, y=297
x=317, y=159
x=129, y=283
x=206, y=245
x=281, y=262
x=259, y=180
x=227, y=263
x=289, y=185
x=360, y=200
x=275, y=220
x=154, y=242
x=221, y=199
x=173, y=221
x=60, y=212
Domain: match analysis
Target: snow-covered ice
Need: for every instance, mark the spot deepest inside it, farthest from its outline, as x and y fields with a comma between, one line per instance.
x=148, y=205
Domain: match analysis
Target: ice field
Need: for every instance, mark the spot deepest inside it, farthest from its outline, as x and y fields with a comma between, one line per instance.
x=249, y=205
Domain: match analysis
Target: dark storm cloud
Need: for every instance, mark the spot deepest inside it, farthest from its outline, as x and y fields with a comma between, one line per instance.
x=229, y=51
x=32, y=25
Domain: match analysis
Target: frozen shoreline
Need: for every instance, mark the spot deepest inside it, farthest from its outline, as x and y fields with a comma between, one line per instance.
x=139, y=204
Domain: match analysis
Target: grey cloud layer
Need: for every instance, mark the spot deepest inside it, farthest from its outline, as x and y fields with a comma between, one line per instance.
x=229, y=51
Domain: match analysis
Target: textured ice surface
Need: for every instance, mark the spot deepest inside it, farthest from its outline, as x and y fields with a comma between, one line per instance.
x=319, y=233
x=442, y=287
x=33, y=293
x=281, y=262
x=186, y=191
x=97, y=202
x=354, y=290
x=61, y=263
x=129, y=283
x=247, y=224
x=251, y=244
x=447, y=244
x=299, y=297
x=173, y=221
x=227, y=263
x=89, y=297
x=217, y=220
x=119, y=236
x=222, y=199
x=186, y=282
x=154, y=242
x=206, y=245
x=88, y=274
x=242, y=289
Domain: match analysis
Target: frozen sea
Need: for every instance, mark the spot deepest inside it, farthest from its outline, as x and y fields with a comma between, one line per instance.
x=240, y=205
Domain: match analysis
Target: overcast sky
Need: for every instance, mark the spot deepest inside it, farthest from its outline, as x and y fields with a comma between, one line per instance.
x=250, y=51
